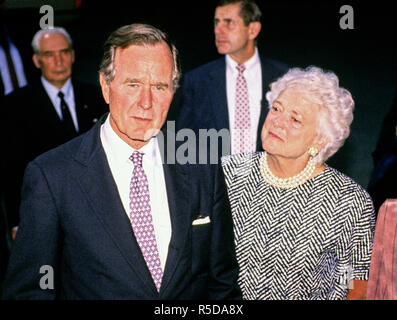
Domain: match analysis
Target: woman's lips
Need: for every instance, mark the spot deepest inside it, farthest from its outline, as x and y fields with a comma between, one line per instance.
x=272, y=135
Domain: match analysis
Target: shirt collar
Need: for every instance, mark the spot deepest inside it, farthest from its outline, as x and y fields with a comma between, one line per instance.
x=53, y=91
x=249, y=64
x=121, y=151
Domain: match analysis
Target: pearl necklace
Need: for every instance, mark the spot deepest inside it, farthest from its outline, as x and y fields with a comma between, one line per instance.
x=286, y=183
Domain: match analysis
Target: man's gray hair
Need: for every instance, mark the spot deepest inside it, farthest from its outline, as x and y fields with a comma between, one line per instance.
x=136, y=34
x=55, y=30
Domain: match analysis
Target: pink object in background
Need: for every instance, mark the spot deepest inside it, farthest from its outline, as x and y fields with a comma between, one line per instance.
x=382, y=284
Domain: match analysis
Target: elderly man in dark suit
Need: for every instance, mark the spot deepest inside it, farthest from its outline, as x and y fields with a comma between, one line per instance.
x=107, y=214
x=228, y=93
x=46, y=113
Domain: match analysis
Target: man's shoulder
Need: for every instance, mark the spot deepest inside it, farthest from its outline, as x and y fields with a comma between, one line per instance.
x=69, y=151
x=86, y=87
x=90, y=95
x=275, y=63
x=22, y=99
x=22, y=92
x=84, y=84
x=63, y=152
x=204, y=69
x=274, y=66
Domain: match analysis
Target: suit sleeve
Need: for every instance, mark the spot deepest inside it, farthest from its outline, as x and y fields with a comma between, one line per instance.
x=32, y=267
x=224, y=267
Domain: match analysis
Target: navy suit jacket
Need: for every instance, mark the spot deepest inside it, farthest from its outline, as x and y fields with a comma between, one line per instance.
x=72, y=219
x=31, y=126
x=201, y=102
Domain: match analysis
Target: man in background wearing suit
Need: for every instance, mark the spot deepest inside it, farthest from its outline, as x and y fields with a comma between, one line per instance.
x=229, y=92
x=12, y=72
x=46, y=113
x=107, y=211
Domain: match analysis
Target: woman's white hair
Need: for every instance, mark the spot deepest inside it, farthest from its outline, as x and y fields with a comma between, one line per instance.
x=55, y=30
x=336, y=112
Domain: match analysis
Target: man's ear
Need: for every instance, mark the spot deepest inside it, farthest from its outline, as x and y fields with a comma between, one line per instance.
x=253, y=29
x=36, y=61
x=72, y=53
x=105, y=87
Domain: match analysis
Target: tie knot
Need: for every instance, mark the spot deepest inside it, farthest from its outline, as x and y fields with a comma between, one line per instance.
x=60, y=94
x=136, y=158
x=240, y=68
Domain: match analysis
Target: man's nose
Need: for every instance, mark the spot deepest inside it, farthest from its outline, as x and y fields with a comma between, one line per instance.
x=58, y=58
x=145, y=99
x=218, y=28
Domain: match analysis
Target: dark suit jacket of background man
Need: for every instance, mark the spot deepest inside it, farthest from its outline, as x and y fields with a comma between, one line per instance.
x=201, y=102
x=31, y=126
x=21, y=40
x=72, y=219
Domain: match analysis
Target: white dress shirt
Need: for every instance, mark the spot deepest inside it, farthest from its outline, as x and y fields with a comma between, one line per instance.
x=18, y=66
x=68, y=92
x=118, y=153
x=253, y=76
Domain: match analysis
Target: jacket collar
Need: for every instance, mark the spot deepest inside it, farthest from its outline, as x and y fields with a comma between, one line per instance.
x=97, y=182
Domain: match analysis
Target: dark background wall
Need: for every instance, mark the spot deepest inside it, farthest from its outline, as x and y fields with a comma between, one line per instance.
x=299, y=33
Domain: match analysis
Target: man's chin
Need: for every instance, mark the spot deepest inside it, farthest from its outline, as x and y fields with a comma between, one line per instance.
x=222, y=50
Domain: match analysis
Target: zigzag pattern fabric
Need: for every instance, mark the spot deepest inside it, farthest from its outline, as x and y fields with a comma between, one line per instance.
x=302, y=243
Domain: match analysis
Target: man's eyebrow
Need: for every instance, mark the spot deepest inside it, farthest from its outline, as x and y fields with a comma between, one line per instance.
x=155, y=84
x=132, y=80
x=51, y=51
x=160, y=84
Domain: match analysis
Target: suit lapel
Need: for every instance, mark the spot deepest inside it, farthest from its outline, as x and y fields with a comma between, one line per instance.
x=79, y=105
x=218, y=95
x=85, y=123
x=98, y=184
x=49, y=114
x=179, y=202
x=46, y=107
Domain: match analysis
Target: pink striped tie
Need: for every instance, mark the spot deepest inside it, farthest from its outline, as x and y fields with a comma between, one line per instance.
x=141, y=219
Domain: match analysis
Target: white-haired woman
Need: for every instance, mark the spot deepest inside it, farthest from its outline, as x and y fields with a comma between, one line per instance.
x=303, y=230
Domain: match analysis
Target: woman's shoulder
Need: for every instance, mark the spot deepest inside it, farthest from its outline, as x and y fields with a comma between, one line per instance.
x=240, y=165
x=240, y=161
x=346, y=186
